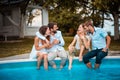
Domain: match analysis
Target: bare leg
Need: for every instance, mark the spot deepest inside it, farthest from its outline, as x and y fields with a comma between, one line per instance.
x=39, y=60
x=89, y=65
x=70, y=62
x=97, y=66
x=81, y=52
x=45, y=62
x=54, y=66
x=63, y=60
x=80, y=57
x=61, y=66
x=52, y=63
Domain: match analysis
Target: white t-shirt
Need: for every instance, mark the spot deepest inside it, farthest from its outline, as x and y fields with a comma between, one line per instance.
x=77, y=45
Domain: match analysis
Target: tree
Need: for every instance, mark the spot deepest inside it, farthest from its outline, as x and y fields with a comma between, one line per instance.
x=72, y=12
x=110, y=7
x=7, y=5
x=68, y=13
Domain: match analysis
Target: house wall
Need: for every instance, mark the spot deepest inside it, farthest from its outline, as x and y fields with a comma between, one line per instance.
x=16, y=18
x=30, y=31
x=6, y=27
x=45, y=17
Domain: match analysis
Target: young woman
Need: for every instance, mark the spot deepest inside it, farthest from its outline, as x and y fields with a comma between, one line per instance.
x=41, y=43
x=81, y=39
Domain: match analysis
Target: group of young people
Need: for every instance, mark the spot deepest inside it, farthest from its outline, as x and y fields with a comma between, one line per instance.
x=89, y=42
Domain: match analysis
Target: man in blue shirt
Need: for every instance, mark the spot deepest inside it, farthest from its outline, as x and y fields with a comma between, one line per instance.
x=56, y=43
x=100, y=44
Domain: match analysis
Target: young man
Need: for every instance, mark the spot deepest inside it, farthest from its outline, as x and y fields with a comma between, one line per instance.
x=100, y=44
x=57, y=43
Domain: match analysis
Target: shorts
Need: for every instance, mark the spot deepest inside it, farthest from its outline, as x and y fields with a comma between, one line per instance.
x=75, y=52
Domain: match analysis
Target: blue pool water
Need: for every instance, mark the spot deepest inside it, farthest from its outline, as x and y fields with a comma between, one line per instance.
x=109, y=70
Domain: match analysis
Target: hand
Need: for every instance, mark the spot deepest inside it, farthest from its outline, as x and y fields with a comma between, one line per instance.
x=46, y=45
x=48, y=42
x=56, y=41
x=80, y=58
x=71, y=49
x=105, y=49
x=82, y=37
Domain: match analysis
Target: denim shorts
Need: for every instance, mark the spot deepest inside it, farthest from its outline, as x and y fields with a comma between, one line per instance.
x=75, y=52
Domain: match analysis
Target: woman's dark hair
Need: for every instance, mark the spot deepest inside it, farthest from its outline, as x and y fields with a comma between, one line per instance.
x=43, y=29
x=51, y=25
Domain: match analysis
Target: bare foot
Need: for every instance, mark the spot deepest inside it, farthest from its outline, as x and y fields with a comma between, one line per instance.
x=89, y=65
x=46, y=69
x=97, y=66
x=54, y=66
x=69, y=67
x=61, y=66
x=38, y=68
x=80, y=58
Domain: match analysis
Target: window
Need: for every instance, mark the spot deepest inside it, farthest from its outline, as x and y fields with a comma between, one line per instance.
x=34, y=17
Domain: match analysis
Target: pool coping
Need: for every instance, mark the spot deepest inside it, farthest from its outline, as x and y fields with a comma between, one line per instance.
x=29, y=60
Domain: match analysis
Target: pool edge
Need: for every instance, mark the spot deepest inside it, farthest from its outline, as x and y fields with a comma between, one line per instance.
x=28, y=60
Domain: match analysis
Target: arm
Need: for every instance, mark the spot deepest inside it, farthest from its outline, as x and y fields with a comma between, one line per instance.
x=86, y=41
x=71, y=46
x=72, y=43
x=81, y=50
x=40, y=36
x=36, y=43
x=108, y=40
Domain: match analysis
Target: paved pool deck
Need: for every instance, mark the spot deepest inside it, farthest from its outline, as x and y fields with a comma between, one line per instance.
x=26, y=56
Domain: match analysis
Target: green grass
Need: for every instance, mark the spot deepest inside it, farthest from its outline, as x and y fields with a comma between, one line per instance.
x=16, y=47
x=22, y=46
x=68, y=40
x=115, y=45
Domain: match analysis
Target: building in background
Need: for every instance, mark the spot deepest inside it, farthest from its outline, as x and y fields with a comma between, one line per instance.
x=14, y=16
x=36, y=16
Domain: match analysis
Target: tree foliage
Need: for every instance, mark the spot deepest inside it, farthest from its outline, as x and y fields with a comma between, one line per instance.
x=70, y=13
x=110, y=7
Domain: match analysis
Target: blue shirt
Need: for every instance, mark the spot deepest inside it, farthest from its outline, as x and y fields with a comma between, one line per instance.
x=98, y=39
x=59, y=46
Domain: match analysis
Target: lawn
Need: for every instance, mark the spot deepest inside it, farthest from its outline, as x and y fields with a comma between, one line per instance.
x=22, y=46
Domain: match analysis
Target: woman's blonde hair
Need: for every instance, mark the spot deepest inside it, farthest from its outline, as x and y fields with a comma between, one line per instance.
x=89, y=22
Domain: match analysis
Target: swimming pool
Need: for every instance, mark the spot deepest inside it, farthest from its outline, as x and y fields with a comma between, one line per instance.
x=26, y=70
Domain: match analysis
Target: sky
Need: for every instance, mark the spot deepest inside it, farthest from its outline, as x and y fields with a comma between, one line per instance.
x=109, y=26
